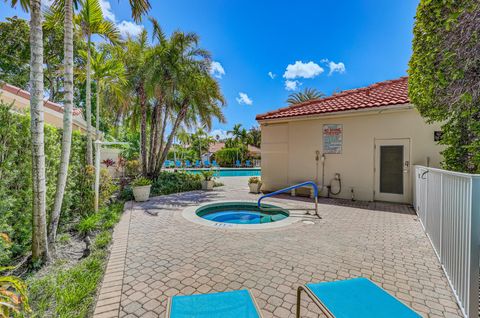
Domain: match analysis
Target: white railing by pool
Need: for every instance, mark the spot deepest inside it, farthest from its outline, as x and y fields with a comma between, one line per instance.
x=448, y=206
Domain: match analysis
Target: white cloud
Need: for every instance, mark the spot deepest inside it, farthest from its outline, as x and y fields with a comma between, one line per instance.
x=220, y=133
x=272, y=75
x=216, y=69
x=302, y=70
x=244, y=99
x=292, y=85
x=47, y=3
x=126, y=28
x=107, y=10
x=129, y=28
x=336, y=67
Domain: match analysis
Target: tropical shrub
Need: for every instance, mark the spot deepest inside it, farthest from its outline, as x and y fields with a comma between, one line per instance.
x=173, y=182
x=254, y=180
x=132, y=167
x=141, y=181
x=208, y=175
x=13, y=291
x=183, y=154
x=226, y=157
x=443, y=77
x=16, y=180
x=108, y=162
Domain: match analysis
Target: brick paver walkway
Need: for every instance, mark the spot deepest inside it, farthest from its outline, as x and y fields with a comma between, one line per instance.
x=166, y=255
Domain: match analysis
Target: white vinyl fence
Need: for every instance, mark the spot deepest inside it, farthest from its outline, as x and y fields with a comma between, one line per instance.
x=448, y=205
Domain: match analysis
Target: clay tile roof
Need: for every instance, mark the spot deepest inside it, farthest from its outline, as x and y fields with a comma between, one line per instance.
x=387, y=93
x=23, y=93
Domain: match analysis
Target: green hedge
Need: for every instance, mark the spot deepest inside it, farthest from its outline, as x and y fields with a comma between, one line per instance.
x=226, y=157
x=16, y=180
x=174, y=182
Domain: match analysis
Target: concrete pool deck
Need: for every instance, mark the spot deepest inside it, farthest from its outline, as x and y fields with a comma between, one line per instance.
x=155, y=257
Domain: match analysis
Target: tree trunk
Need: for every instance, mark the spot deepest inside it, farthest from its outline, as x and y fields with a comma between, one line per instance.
x=153, y=125
x=97, y=119
x=158, y=166
x=67, y=122
x=180, y=117
x=143, y=128
x=88, y=105
x=155, y=131
x=39, y=216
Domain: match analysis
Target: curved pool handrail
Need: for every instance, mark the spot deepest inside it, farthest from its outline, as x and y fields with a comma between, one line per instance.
x=296, y=186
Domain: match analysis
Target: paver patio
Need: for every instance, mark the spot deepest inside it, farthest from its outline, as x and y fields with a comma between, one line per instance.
x=154, y=257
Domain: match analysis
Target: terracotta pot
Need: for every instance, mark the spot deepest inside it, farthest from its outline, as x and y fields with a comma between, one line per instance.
x=141, y=193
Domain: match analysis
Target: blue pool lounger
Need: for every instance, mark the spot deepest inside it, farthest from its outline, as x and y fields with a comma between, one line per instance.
x=234, y=304
x=354, y=298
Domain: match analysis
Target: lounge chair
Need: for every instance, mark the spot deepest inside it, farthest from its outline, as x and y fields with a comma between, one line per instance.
x=206, y=164
x=248, y=163
x=178, y=164
x=238, y=164
x=238, y=304
x=198, y=164
x=166, y=164
x=188, y=164
x=358, y=297
x=214, y=163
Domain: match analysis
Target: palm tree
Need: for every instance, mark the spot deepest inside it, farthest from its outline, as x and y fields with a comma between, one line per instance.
x=307, y=95
x=65, y=7
x=40, y=250
x=91, y=21
x=109, y=74
x=236, y=131
x=255, y=136
x=136, y=51
x=185, y=92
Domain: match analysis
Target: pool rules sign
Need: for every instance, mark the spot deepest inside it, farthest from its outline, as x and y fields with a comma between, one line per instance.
x=332, y=138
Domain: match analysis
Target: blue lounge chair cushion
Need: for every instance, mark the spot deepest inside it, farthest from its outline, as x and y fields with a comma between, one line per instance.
x=359, y=298
x=235, y=304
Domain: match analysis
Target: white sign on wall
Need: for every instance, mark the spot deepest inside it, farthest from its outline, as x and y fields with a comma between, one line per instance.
x=332, y=138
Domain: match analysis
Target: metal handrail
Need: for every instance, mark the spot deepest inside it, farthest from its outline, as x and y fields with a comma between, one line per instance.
x=303, y=184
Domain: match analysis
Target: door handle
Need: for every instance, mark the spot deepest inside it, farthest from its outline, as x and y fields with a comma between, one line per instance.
x=405, y=166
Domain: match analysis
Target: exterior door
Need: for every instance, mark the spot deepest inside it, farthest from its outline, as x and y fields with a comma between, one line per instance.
x=392, y=170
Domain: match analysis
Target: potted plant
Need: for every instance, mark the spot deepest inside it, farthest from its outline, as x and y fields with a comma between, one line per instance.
x=207, y=182
x=254, y=183
x=141, y=189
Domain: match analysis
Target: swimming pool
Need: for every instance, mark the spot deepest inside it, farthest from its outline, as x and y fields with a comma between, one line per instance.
x=242, y=213
x=230, y=172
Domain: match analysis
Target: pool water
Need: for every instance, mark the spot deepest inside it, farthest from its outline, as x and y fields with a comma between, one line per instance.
x=240, y=172
x=242, y=213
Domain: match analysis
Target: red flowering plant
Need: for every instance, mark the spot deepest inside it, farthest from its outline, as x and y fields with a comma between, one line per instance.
x=108, y=162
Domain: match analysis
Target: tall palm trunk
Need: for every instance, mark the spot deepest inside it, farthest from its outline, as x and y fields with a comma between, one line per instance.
x=67, y=121
x=39, y=217
x=89, y=106
x=143, y=127
x=180, y=117
x=97, y=119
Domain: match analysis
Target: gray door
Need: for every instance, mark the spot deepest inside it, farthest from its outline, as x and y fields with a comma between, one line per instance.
x=391, y=170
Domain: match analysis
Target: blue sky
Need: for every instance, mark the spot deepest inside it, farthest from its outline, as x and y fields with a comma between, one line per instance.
x=297, y=41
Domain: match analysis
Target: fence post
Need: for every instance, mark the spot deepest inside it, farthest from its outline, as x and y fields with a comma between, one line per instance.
x=473, y=310
x=441, y=219
x=425, y=198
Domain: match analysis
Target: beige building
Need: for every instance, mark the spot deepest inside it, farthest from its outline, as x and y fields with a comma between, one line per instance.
x=360, y=144
x=53, y=112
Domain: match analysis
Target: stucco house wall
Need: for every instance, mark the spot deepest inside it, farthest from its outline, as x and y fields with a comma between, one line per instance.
x=53, y=113
x=289, y=148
